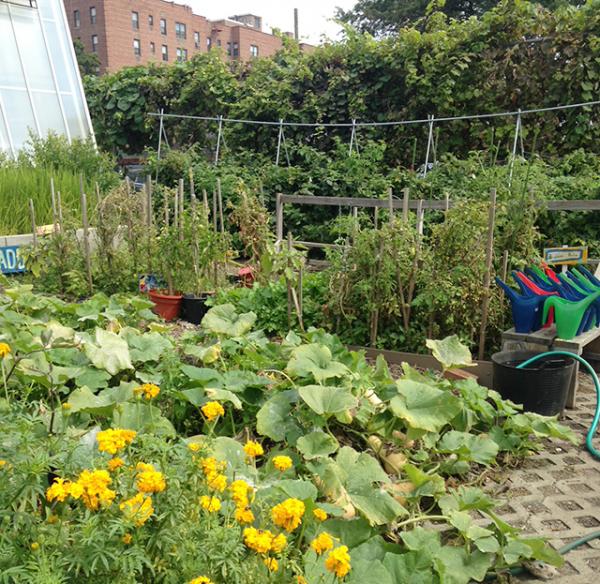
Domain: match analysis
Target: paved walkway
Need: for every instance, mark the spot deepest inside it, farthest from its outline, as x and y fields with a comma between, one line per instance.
x=556, y=494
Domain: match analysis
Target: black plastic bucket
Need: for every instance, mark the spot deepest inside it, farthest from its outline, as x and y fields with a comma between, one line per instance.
x=541, y=387
x=193, y=308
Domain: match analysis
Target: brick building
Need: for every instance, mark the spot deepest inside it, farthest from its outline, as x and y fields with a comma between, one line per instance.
x=133, y=32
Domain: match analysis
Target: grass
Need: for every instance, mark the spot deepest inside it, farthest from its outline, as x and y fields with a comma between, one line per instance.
x=19, y=184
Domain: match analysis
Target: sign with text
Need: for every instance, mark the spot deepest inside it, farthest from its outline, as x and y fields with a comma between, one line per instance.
x=10, y=260
x=566, y=256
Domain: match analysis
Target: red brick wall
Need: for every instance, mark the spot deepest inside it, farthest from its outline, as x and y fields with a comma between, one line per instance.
x=116, y=34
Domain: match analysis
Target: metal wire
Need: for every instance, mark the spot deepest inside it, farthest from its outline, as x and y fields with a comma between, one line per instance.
x=355, y=124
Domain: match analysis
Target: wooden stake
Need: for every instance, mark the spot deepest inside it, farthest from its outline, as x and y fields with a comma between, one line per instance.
x=166, y=209
x=149, y=200
x=176, y=209
x=205, y=201
x=279, y=218
x=376, y=218
x=447, y=202
x=488, y=273
x=86, y=241
x=420, y=217
x=53, y=196
x=220, y=195
x=289, y=286
x=33, y=225
x=181, y=218
x=504, y=266
x=391, y=203
x=59, y=209
x=214, y=212
x=405, y=200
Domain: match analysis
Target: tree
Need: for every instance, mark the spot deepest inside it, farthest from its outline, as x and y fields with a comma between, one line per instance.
x=89, y=63
x=384, y=17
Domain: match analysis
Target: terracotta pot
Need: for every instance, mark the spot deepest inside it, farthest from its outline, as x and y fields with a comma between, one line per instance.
x=165, y=305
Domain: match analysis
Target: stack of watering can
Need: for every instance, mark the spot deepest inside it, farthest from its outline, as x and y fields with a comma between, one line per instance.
x=570, y=299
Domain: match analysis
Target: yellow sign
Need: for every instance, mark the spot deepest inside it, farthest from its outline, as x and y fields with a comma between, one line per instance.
x=566, y=256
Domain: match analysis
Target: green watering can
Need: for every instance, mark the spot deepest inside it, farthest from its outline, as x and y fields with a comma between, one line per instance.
x=568, y=314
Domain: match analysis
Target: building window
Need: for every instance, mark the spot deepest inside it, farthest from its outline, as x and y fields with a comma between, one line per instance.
x=150, y=22
x=229, y=49
x=135, y=20
x=93, y=15
x=165, y=53
x=152, y=48
x=163, y=26
x=94, y=43
x=180, y=31
x=208, y=43
x=182, y=55
x=254, y=50
x=76, y=18
x=137, y=48
x=236, y=50
x=219, y=42
x=197, y=40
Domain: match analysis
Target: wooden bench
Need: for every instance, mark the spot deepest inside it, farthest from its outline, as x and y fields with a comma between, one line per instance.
x=547, y=340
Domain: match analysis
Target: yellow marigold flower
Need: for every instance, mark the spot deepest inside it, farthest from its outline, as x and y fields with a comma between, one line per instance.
x=4, y=350
x=2, y=463
x=319, y=514
x=66, y=406
x=301, y=580
x=272, y=564
x=322, y=543
x=138, y=509
x=338, y=561
x=149, y=390
x=194, y=446
x=253, y=449
x=216, y=482
x=35, y=546
x=143, y=466
x=211, y=465
x=244, y=515
x=239, y=492
x=75, y=490
x=150, y=481
x=278, y=544
x=113, y=440
x=115, y=463
x=201, y=580
x=288, y=514
x=210, y=504
x=258, y=540
x=282, y=463
x=58, y=491
x=212, y=410
x=94, y=489
x=127, y=538
x=52, y=519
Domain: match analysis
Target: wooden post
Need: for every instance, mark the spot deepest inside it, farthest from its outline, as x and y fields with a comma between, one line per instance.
x=220, y=195
x=391, y=203
x=205, y=201
x=420, y=217
x=446, y=202
x=181, y=207
x=176, y=209
x=376, y=217
x=59, y=210
x=289, y=286
x=166, y=208
x=504, y=265
x=279, y=219
x=86, y=241
x=488, y=273
x=214, y=212
x=33, y=225
x=405, y=200
x=149, y=200
x=53, y=195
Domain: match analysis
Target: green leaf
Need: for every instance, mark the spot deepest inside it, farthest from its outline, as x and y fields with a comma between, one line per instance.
x=142, y=418
x=317, y=444
x=207, y=355
x=410, y=567
x=421, y=540
x=426, y=485
x=231, y=451
x=423, y=406
x=457, y=566
x=109, y=352
x=84, y=400
x=315, y=360
x=274, y=419
x=200, y=374
x=378, y=507
x=218, y=394
x=224, y=320
x=327, y=401
x=147, y=347
x=298, y=489
x=469, y=447
x=451, y=352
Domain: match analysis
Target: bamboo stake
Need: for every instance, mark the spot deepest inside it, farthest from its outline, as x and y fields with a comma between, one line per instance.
x=214, y=212
x=166, y=209
x=504, y=266
x=205, y=201
x=181, y=219
x=149, y=200
x=376, y=217
x=447, y=202
x=176, y=209
x=288, y=285
x=420, y=217
x=86, y=241
x=33, y=226
x=488, y=273
x=391, y=203
x=59, y=209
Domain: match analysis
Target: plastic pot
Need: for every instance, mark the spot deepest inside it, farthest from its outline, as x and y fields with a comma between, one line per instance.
x=193, y=308
x=541, y=387
x=166, y=306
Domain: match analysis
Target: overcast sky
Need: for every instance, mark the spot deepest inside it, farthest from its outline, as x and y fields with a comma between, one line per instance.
x=315, y=15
